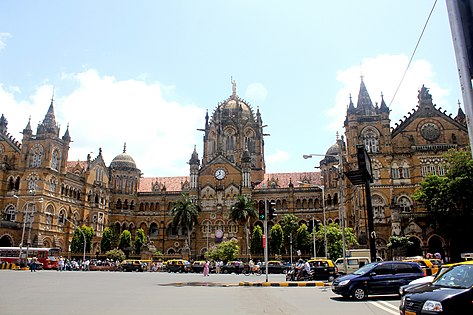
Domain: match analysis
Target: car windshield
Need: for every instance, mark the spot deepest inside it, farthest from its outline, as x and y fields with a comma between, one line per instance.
x=364, y=269
x=457, y=277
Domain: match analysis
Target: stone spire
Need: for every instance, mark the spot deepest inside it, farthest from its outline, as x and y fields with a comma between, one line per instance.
x=364, y=104
x=461, y=117
x=49, y=126
x=384, y=107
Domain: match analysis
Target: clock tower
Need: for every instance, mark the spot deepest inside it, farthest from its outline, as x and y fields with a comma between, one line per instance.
x=232, y=162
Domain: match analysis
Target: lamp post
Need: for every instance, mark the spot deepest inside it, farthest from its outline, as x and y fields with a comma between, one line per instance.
x=325, y=220
x=76, y=227
x=313, y=236
x=26, y=216
x=342, y=201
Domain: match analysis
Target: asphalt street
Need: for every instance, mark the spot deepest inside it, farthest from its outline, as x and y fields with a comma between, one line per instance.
x=87, y=293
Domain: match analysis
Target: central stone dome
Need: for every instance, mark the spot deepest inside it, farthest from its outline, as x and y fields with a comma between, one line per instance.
x=123, y=161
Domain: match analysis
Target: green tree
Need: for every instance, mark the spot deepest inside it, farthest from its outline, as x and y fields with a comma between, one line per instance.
x=241, y=212
x=289, y=224
x=257, y=240
x=125, y=242
x=448, y=201
x=107, y=239
x=140, y=240
x=158, y=255
x=334, y=240
x=77, y=244
x=185, y=215
x=398, y=245
x=303, y=238
x=115, y=254
x=225, y=251
x=276, y=239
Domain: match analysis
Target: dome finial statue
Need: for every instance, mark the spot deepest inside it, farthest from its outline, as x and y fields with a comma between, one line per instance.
x=124, y=147
x=233, y=86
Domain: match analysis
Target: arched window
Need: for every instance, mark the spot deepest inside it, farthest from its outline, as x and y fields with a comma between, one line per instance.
x=61, y=218
x=52, y=184
x=36, y=155
x=153, y=230
x=370, y=140
x=55, y=160
x=376, y=170
x=10, y=214
x=378, y=209
x=11, y=184
x=405, y=205
x=395, y=171
x=49, y=217
x=33, y=182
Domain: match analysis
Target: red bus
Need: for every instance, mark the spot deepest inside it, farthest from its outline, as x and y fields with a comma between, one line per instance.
x=47, y=256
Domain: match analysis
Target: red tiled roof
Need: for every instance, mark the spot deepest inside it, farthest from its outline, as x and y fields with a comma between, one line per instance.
x=71, y=165
x=171, y=183
x=282, y=180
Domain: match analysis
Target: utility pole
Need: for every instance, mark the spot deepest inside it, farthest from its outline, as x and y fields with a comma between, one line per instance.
x=266, y=237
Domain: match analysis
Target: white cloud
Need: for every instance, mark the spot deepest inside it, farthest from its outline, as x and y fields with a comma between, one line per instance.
x=382, y=74
x=256, y=93
x=3, y=37
x=279, y=156
x=104, y=112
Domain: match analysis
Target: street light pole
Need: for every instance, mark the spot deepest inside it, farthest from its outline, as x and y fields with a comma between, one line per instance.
x=313, y=237
x=25, y=215
x=342, y=201
x=76, y=227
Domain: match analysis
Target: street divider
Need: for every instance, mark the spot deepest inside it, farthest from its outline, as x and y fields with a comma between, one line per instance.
x=284, y=284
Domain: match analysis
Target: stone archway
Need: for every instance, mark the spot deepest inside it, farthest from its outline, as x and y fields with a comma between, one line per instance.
x=415, y=249
x=6, y=241
x=436, y=245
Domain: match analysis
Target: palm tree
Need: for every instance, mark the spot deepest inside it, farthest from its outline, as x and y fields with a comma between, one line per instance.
x=241, y=212
x=185, y=214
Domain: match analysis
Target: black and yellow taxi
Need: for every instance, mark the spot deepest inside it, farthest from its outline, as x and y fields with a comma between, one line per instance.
x=178, y=265
x=427, y=265
x=323, y=269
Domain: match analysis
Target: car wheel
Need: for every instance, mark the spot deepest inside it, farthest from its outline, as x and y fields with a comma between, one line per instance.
x=359, y=294
x=225, y=271
x=331, y=278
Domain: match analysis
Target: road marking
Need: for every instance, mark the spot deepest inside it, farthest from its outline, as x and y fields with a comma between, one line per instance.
x=385, y=306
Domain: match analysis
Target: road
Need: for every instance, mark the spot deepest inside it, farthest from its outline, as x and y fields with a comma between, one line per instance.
x=88, y=293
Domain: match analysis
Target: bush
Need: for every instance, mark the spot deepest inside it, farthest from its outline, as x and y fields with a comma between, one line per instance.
x=115, y=254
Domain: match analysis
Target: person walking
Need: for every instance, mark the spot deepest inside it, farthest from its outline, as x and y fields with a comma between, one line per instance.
x=33, y=264
x=206, y=268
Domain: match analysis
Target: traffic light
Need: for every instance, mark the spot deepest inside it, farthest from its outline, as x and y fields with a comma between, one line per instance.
x=271, y=209
x=261, y=213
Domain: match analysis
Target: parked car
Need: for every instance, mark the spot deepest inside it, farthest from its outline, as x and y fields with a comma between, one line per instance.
x=353, y=264
x=450, y=293
x=377, y=278
x=275, y=266
x=323, y=269
x=132, y=265
x=232, y=267
x=178, y=265
x=426, y=264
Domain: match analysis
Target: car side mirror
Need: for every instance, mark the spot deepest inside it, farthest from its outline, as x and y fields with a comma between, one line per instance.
x=372, y=274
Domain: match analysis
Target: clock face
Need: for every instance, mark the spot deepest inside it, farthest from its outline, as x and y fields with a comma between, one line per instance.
x=220, y=173
x=430, y=131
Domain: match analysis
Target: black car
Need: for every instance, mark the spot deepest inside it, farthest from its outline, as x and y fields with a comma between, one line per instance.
x=233, y=267
x=132, y=265
x=450, y=293
x=275, y=266
x=377, y=278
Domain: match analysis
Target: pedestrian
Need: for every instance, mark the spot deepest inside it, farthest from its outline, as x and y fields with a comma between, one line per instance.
x=33, y=264
x=60, y=264
x=206, y=268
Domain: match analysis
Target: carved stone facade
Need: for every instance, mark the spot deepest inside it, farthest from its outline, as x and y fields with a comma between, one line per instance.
x=401, y=158
x=37, y=178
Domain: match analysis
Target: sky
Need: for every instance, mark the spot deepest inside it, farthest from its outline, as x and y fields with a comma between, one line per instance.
x=145, y=72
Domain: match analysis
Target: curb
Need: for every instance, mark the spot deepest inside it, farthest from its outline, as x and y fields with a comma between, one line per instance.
x=5, y=265
x=284, y=284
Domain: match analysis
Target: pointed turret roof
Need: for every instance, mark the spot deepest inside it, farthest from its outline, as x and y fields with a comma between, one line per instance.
x=66, y=136
x=28, y=130
x=49, y=123
x=364, y=103
x=461, y=117
x=384, y=107
x=194, y=157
